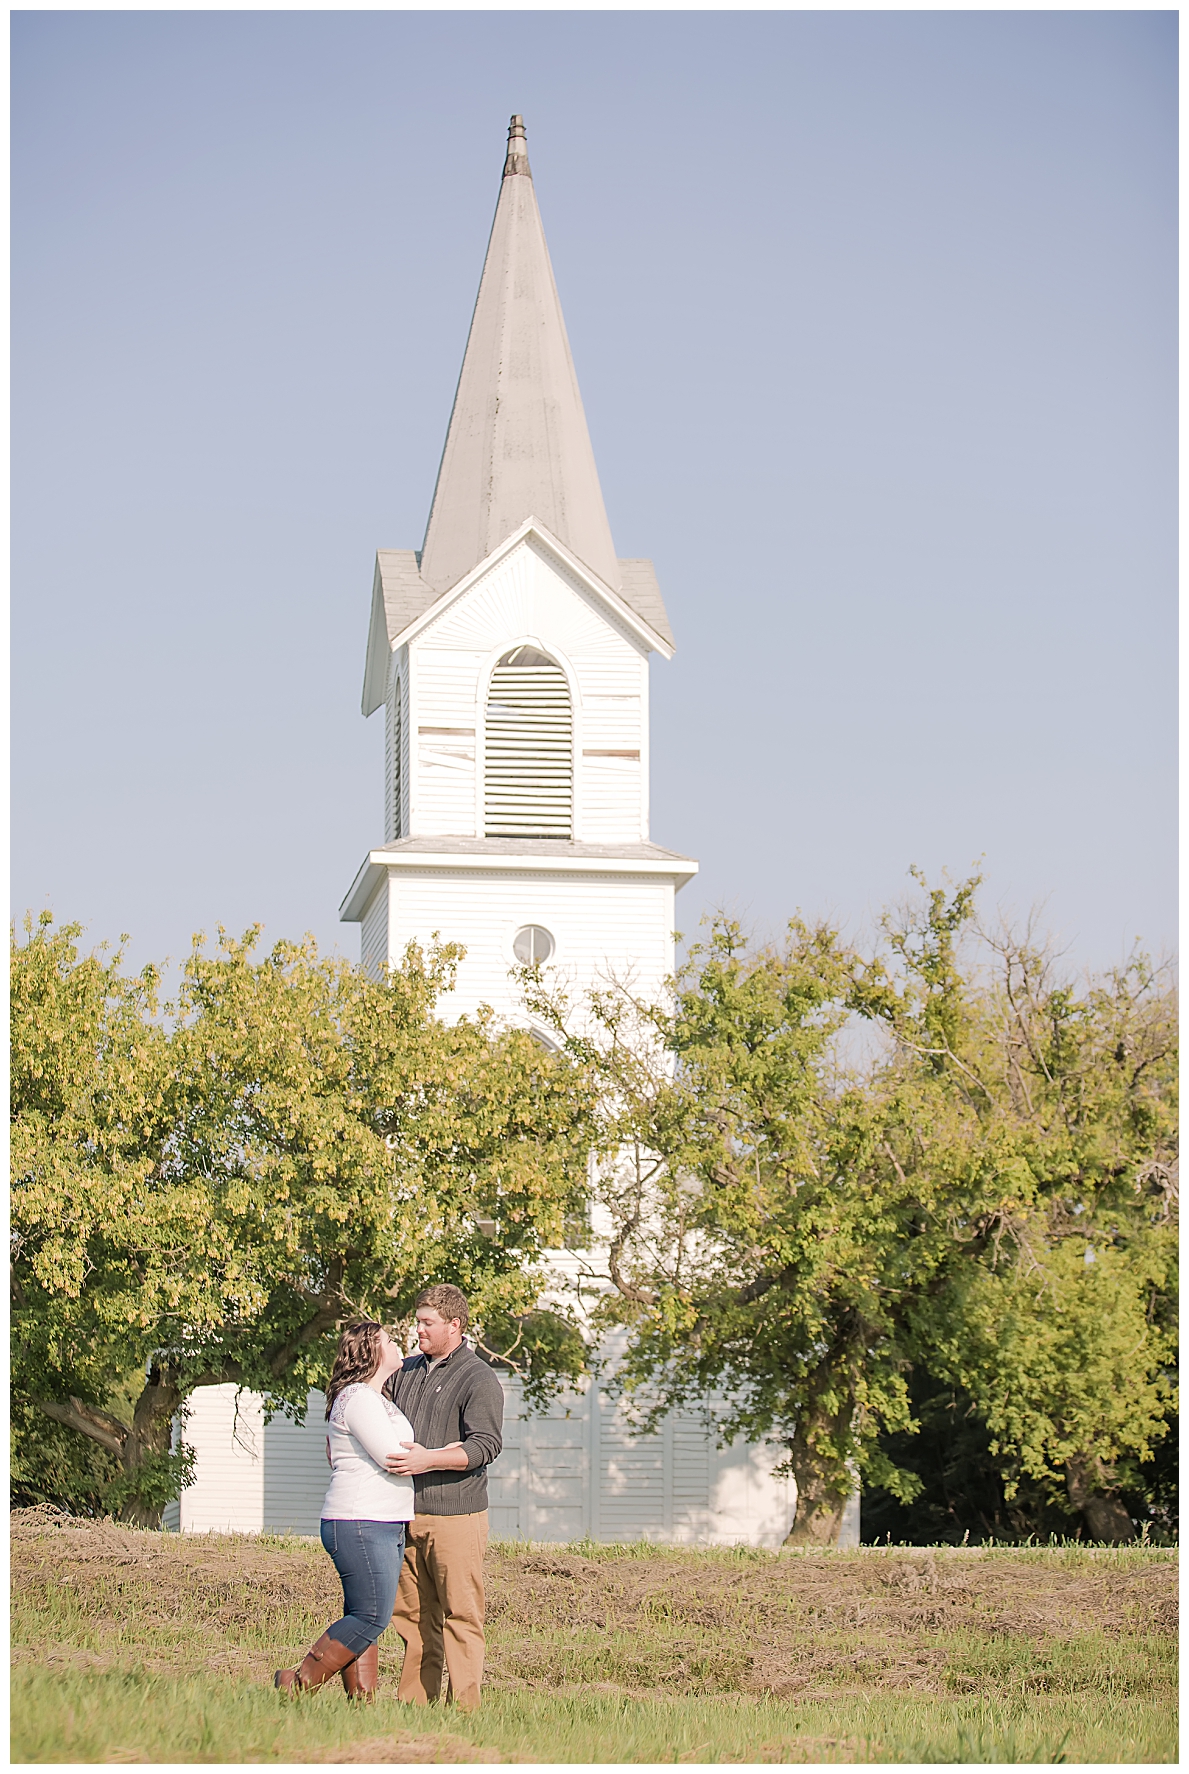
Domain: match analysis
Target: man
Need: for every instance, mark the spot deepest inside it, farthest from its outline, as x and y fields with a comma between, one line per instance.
x=456, y=1407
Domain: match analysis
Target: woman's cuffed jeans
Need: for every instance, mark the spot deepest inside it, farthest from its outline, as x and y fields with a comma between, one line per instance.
x=367, y=1556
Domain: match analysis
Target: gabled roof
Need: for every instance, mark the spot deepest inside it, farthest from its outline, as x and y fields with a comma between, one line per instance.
x=638, y=587
x=401, y=597
x=517, y=443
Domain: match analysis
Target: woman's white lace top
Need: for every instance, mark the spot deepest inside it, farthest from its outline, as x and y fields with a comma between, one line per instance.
x=363, y=1427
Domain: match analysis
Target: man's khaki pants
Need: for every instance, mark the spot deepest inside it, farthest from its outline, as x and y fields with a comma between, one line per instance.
x=439, y=1608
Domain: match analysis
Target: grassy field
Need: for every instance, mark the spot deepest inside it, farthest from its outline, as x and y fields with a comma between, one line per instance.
x=138, y=1647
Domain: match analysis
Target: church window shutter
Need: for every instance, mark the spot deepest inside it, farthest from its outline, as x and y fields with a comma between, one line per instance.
x=395, y=774
x=529, y=762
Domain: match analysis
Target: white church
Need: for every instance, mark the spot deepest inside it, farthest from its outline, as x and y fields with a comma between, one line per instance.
x=511, y=658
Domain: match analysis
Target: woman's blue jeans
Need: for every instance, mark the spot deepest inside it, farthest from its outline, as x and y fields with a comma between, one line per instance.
x=367, y=1556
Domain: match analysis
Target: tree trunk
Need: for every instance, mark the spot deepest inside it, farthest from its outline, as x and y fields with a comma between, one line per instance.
x=151, y=1434
x=1090, y=1490
x=823, y=1485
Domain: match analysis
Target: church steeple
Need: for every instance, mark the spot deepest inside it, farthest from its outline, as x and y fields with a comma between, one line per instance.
x=517, y=446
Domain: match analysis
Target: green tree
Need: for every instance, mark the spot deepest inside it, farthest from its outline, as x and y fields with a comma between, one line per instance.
x=91, y=1088
x=207, y=1198
x=963, y=1484
x=760, y=1246
x=986, y=1200
x=1050, y=1133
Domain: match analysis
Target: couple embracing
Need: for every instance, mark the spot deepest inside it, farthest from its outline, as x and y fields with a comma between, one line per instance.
x=409, y=1441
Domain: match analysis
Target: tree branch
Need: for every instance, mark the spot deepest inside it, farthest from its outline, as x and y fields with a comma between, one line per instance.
x=325, y=1318
x=495, y=1355
x=108, y=1431
x=764, y=1283
x=231, y=1373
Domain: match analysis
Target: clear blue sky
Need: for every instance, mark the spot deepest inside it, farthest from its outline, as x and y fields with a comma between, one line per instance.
x=874, y=318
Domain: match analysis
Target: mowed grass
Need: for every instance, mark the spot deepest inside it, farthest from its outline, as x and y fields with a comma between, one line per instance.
x=144, y=1647
x=137, y=1717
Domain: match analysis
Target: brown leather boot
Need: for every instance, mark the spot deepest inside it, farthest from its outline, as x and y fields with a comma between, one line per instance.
x=323, y=1660
x=362, y=1678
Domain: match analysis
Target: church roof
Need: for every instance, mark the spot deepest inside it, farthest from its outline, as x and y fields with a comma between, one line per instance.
x=400, y=596
x=541, y=849
x=638, y=587
x=518, y=445
x=520, y=856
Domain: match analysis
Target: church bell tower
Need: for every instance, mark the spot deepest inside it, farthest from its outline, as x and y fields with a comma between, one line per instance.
x=510, y=656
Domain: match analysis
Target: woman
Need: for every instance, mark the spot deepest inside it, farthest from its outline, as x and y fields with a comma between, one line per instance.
x=364, y=1512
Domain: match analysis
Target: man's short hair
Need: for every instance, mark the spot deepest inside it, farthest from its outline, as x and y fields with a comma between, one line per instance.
x=451, y=1302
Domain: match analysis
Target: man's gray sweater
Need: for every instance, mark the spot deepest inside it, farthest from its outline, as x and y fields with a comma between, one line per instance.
x=457, y=1399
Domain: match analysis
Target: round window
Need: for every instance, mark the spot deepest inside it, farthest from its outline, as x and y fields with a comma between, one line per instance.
x=533, y=943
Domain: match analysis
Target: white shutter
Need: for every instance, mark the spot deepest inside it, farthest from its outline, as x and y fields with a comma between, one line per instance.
x=397, y=783
x=529, y=765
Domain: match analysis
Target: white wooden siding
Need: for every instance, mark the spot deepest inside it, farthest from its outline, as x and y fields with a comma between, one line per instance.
x=690, y=1450
x=528, y=598
x=573, y=1472
x=579, y=1471
x=611, y=785
x=631, y=1481
x=373, y=934
x=296, y=1473
x=445, y=744
x=603, y=925
x=225, y=1427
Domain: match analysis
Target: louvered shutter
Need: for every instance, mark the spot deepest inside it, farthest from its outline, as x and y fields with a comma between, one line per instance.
x=529, y=768
x=396, y=763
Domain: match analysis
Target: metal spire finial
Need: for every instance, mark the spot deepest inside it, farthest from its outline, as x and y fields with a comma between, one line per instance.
x=517, y=160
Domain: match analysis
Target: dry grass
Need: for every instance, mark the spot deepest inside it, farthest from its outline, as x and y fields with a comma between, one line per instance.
x=407, y=1746
x=811, y=1622
x=822, y=1656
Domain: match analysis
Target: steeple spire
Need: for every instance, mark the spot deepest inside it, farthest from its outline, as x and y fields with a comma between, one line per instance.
x=517, y=446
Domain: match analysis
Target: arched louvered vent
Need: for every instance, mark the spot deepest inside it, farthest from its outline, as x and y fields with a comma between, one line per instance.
x=529, y=767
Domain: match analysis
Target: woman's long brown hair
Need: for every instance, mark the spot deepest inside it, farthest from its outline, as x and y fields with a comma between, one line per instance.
x=357, y=1359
